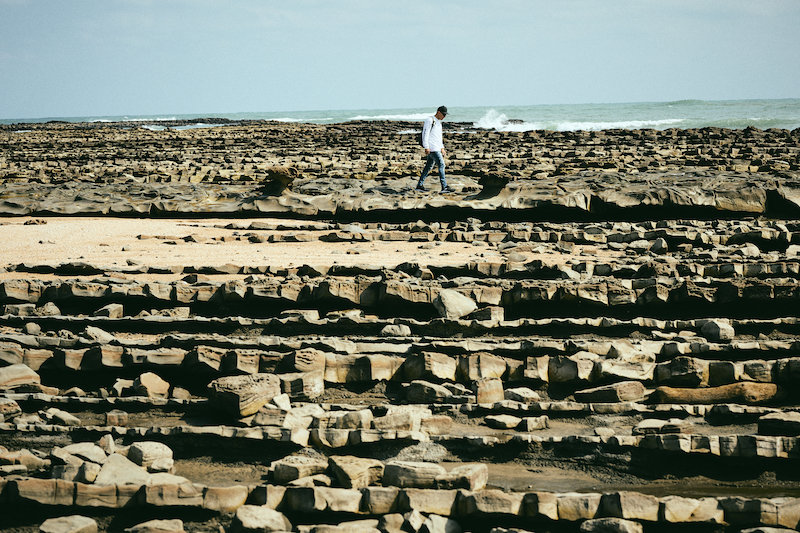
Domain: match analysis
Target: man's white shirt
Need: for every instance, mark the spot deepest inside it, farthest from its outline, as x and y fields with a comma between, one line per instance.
x=432, y=134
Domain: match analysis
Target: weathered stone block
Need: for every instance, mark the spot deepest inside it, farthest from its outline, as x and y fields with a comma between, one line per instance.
x=441, y=502
x=174, y=494
x=411, y=474
x=540, y=504
x=631, y=505
x=573, y=506
x=379, y=500
x=490, y=502
x=225, y=499
x=252, y=519
x=489, y=390
x=242, y=396
x=355, y=472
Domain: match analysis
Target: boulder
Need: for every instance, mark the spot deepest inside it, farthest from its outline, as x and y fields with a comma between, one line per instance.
x=18, y=374
x=631, y=506
x=677, y=509
x=119, y=470
x=683, y=371
x=574, y=506
x=748, y=393
x=242, y=396
x=481, y=365
x=502, y=421
x=430, y=366
x=98, y=335
x=450, y=303
x=522, y=395
x=625, y=391
x=490, y=502
x=252, y=518
x=150, y=385
x=567, y=369
x=146, y=453
x=534, y=423
x=718, y=330
x=411, y=474
x=470, y=477
x=59, y=417
x=361, y=419
x=355, y=472
x=419, y=391
x=69, y=524
x=610, y=525
x=87, y=451
x=489, y=390
x=174, y=525
x=296, y=467
x=48, y=309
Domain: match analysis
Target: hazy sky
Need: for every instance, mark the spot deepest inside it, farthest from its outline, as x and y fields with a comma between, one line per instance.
x=126, y=57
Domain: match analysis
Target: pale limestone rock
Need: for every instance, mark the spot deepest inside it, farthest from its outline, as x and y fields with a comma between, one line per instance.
x=296, y=467
x=174, y=525
x=355, y=472
x=18, y=374
x=69, y=524
x=251, y=518
x=145, y=453
x=120, y=470
x=411, y=474
x=450, y=303
x=489, y=390
x=502, y=421
x=150, y=385
x=242, y=396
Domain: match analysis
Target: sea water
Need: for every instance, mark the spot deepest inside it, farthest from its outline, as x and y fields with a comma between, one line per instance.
x=736, y=114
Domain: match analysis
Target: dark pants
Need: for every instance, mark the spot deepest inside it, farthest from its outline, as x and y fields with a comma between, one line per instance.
x=438, y=159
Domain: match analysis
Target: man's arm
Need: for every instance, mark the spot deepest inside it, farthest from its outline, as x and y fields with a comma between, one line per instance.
x=426, y=131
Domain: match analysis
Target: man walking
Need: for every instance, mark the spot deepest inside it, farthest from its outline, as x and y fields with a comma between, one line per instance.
x=434, y=149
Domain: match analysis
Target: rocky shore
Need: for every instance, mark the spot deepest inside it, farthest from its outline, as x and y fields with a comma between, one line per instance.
x=261, y=327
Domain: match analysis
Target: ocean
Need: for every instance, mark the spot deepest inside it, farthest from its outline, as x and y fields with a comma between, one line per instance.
x=684, y=114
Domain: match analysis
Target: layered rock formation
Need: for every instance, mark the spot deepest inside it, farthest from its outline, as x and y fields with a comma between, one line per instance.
x=624, y=360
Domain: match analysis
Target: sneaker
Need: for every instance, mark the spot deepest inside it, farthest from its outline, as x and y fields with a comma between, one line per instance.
x=420, y=188
x=447, y=190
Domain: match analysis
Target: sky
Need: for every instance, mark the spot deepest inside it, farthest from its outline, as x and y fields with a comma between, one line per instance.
x=73, y=58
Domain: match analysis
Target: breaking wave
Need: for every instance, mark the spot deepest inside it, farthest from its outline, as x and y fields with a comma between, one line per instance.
x=411, y=116
x=493, y=120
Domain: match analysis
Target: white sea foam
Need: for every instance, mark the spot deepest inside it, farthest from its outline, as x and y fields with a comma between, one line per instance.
x=292, y=119
x=622, y=125
x=494, y=120
x=158, y=127
x=411, y=116
x=157, y=119
x=407, y=132
x=101, y=120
